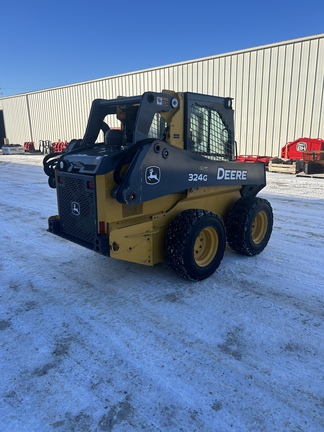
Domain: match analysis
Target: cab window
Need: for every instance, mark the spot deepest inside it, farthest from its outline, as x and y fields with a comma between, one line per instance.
x=158, y=127
x=209, y=135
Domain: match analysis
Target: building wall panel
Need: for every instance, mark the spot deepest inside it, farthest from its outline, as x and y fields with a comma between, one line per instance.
x=277, y=91
x=16, y=119
x=317, y=111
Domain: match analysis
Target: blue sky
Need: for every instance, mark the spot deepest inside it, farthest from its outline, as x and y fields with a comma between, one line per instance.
x=46, y=43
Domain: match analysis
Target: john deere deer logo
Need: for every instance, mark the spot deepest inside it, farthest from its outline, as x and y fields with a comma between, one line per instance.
x=75, y=207
x=152, y=175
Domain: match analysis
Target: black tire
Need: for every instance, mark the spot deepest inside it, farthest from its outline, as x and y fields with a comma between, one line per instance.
x=249, y=225
x=194, y=244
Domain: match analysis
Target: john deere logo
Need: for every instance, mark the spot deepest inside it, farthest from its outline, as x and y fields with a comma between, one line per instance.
x=75, y=206
x=152, y=175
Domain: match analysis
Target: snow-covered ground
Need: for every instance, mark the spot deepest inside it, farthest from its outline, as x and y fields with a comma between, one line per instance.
x=93, y=344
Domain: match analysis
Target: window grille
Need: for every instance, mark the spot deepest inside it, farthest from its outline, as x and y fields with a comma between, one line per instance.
x=158, y=127
x=209, y=135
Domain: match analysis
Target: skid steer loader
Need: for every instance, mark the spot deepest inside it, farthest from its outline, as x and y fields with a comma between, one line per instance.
x=155, y=179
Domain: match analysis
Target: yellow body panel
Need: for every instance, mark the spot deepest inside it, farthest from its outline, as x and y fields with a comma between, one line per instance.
x=175, y=136
x=136, y=233
x=133, y=243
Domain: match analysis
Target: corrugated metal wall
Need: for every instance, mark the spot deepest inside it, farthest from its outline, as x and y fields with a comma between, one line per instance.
x=277, y=91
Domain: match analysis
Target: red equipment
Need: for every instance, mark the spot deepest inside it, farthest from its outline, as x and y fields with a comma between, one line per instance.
x=294, y=150
x=252, y=159
x=59, y=147
x=313, y=156
x=29, y=146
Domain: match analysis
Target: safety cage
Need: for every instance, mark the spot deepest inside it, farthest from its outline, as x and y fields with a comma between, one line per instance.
x=210, y=127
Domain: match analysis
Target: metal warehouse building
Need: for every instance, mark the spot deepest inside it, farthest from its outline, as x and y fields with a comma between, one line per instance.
x=277, y=90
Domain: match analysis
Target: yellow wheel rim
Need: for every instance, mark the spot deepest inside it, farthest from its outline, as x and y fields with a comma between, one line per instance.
x=259, y=227
x=206, y=246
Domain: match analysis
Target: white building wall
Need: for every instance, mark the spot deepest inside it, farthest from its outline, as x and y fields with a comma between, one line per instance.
x=17, y=121
x=277, y=91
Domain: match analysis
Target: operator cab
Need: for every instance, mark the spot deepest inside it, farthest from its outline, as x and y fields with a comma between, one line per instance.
x=198, y=123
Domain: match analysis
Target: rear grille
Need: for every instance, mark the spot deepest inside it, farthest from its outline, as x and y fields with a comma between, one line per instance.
x=76, y=203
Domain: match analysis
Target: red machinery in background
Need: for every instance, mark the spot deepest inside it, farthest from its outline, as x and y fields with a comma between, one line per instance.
x=254, y=158
x=294, y=150
x=302, y=154
x=29, y=146
x=59, y=146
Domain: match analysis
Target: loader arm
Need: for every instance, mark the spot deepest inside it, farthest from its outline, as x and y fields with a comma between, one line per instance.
x=160, y=169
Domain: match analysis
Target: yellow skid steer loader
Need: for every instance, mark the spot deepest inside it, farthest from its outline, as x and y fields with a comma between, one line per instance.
x=155, y=178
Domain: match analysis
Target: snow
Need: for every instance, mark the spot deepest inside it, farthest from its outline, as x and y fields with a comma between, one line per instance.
x=89, y=343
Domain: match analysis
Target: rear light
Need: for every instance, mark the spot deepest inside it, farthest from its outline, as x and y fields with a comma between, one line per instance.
x=90, y=184
x=61, y=179
x=102, y=227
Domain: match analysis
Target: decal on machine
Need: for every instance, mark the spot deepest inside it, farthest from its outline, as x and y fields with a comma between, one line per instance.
x=197, y=177
x=301, y=146
x=231, y=174
x=152, y=175
x=162, y=101
x=75, y=208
